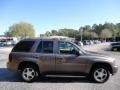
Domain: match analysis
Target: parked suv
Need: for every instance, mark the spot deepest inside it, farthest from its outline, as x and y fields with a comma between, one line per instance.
x=36, y=57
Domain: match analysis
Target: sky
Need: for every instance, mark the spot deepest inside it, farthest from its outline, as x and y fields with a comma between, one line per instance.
x=46, y=15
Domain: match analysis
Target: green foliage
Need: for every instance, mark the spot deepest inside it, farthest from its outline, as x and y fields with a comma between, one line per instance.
x=21, y=30
x=106, y=33
x=48, y=33
x=106, y=30
x=118, y=30
x=54, y=32
x=103, y=31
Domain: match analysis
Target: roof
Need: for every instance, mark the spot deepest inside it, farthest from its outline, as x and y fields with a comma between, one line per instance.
x=58, y=37
x=49, y=39
x=61, y=38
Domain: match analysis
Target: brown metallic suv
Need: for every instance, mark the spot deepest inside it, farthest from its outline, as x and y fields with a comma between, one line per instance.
x=35, y=57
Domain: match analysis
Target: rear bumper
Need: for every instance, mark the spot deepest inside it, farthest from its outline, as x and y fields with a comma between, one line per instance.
x=115, y=69
x=11, y=66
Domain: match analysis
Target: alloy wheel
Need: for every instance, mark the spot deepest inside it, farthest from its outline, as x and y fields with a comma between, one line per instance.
x=100, y=75
x=28, y=74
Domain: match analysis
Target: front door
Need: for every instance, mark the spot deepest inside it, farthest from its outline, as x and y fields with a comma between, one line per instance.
x=67, y=61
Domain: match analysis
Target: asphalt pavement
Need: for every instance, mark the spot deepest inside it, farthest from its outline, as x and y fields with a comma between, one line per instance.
x=11, y=80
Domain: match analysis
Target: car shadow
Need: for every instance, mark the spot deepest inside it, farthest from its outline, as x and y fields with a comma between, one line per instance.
x=63, y=80
x=9, y=76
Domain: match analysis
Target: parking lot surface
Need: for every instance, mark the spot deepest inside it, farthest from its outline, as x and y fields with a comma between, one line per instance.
x=11, y=80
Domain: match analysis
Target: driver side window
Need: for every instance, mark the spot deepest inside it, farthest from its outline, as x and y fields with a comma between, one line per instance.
x=67, y=48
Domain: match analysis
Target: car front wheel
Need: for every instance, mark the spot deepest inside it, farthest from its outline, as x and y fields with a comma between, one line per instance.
x=100, y=74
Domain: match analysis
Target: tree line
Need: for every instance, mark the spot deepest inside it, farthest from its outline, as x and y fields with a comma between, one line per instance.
x=96, y=31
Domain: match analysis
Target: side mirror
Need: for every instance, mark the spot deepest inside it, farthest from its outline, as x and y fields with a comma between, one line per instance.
x=77, y=53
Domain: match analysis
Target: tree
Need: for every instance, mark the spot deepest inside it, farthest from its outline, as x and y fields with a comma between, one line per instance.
x=48, y=33
x=63, y=32
x=54, y=32
x=93, y=35
x=97, y=28
x=68, y=32
x=94, y=32
x=106, y=33
x=21, y=30
x=112, y=28
x=87, y=28
x=118, y=29
x=86, y=35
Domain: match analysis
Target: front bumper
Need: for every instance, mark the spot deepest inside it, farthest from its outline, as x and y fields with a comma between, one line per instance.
x=114, y=69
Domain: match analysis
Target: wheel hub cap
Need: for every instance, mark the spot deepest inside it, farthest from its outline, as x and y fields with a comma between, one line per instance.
x=28, y=74
x=100, y=75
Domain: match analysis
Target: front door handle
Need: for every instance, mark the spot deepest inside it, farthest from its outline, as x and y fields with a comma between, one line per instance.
x=59, y=58
x=35, y=57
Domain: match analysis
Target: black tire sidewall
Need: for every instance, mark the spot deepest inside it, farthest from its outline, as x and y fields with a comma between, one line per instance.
x=114, y=49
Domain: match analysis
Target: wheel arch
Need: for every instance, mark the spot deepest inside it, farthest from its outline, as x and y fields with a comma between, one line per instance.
x=25, y=63
x=107, y=65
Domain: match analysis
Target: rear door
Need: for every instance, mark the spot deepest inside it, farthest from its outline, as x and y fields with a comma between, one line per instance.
x=45, y=52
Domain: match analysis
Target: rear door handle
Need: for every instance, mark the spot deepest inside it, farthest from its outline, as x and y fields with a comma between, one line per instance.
x=59, y=58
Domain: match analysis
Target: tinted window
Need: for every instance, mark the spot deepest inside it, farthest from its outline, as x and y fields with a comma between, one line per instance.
x=115, y=44
x=67, y=48
x=39, y=48
x=45, y=47
x=23, y=46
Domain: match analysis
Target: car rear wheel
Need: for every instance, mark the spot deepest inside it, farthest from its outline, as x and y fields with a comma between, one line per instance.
x=100, y=74
x=29, y=73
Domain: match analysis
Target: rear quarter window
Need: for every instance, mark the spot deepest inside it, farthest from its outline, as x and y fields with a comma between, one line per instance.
x=23, y=46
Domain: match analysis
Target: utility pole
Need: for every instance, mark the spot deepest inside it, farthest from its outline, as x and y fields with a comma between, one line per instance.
x=81, y=31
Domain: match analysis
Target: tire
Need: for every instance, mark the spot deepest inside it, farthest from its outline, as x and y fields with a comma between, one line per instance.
x=114, y=49
x=29, y=73
x=99, y=74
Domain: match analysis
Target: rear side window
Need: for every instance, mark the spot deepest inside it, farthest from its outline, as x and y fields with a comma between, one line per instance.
x=45, y=47
x=23, y=46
